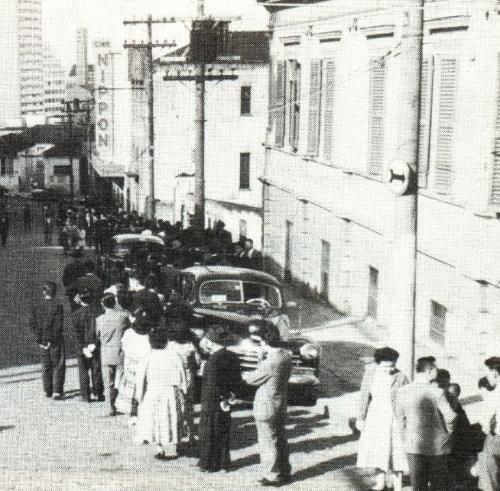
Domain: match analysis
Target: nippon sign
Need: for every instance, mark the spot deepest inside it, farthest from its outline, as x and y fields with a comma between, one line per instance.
x=104, y=100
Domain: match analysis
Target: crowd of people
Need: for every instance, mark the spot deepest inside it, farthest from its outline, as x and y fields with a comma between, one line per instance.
x=137, y=352
x=422, y=429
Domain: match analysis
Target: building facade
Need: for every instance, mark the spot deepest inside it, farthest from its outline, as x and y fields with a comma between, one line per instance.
x=21, y=65
x=54, y=79
x=236, y=118
x=329, y=216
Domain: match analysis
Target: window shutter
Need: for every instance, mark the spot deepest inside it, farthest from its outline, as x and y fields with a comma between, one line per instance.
x=425, y=127
x=446, y=117
x=314, y=108
x=296, y=106
x=376, y=116
x=279, y=109
x=329, y=97
x=495, y=185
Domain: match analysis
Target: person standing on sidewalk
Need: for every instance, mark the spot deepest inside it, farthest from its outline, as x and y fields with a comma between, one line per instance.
x=425, y=418
x=110, y=327
x=84, y=324
x=489, y=459
x=221, y=380
x=27, y=218
x=380, y=445
x=48, y=227
x=47, y=324
x=270, y=404
x=4, y=228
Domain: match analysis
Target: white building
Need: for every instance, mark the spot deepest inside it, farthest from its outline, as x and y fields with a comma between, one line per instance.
x=54, y=78
x=21, y=62
x=329, y=215
x=236, y=118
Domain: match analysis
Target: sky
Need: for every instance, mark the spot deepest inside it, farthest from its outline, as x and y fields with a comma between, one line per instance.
x=104, y=18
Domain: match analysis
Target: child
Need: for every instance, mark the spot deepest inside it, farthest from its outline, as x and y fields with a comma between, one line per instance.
x=161, y=388
x=110, y=327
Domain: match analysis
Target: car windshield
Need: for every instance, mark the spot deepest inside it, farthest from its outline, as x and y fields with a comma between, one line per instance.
x=235, y=291
x=125, y=246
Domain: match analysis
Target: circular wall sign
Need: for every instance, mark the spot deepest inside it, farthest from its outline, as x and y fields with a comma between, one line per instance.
x=399, y=176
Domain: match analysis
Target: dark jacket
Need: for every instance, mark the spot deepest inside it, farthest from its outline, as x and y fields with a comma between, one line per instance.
x=92, y=283
x=71, y=273
x=84, y=325
x=252, y=260
x=4, y=225
x=47, y=322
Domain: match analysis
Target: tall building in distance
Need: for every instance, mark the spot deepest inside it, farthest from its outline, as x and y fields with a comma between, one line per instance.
x=21, y=62
x=54, y=78
x=80, y=80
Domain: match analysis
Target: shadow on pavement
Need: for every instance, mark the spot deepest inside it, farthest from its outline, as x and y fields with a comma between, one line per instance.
x=351, y=476
x=7, y=427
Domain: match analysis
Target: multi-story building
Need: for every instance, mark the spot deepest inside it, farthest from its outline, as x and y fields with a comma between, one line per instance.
x=330, y=218
x=54, y=78
x=236, y=118
x=80, y=80
x=21, y=65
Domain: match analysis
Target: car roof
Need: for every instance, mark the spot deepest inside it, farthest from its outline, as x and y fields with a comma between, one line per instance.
x=231, y=273
x=138, y=238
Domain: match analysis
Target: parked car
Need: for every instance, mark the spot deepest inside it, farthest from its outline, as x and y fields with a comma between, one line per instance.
x=236, y=296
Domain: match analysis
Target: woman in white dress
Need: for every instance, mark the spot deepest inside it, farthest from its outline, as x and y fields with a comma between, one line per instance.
x=162, y=386
x=380, y=445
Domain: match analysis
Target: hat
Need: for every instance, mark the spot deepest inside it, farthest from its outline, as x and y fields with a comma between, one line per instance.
x=492, y=362
x=217, y=334
x=385, y=354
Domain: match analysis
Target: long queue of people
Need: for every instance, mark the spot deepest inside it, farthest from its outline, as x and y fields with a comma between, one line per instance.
x=138, y=353
x=421, y=429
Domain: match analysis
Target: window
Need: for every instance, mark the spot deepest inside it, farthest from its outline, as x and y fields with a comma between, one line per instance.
x=279, y=107
x=325, y=269
x=245, y=100
x=313, y=135
x=437, y=330
x=243, y=230
x=244, y=171
x=495, y=185
x=376, y=116
x=443, y=165
x=328, y=87
x=61, y=170
x=372, y=293
x=425, y=128
x=293, y=103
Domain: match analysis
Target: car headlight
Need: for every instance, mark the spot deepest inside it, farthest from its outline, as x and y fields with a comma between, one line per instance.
x=309, y=351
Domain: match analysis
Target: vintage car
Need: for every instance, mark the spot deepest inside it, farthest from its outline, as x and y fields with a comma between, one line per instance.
x=235, y=296
x=131, y=245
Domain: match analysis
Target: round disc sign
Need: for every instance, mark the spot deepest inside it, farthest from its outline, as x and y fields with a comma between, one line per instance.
x=399, y=176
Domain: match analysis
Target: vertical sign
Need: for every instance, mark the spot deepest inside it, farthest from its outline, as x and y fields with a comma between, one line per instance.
x=104, y=100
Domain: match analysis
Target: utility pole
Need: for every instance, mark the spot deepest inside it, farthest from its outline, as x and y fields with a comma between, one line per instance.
x=405, y=169
x=149, y=45
x=203, y=54
x=199, y=129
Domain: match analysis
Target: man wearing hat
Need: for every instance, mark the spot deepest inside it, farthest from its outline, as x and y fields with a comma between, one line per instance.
x=270, y=404
x=221, y=380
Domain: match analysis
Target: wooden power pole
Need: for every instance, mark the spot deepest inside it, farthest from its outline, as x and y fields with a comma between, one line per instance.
x=404, y=176
x=149, y=45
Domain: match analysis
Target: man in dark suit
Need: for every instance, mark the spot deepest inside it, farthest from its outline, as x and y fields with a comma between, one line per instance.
x=71, y=273
x=84, y=325
x=47, y=324
x=270, y=404
x=4, y=228
x=425, y=419
x=251, y=258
